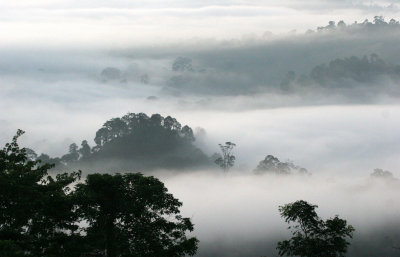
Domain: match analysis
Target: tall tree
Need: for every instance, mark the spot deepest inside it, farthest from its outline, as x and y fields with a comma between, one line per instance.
x=133, y=215
x=72, y=155
x=227, y=160
x=313, y=237
x=85, y=150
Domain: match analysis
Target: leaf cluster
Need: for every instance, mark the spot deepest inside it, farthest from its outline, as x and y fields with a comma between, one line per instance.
x=311, y=236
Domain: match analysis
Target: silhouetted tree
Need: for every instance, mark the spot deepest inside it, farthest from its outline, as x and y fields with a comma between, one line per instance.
x=133, y=215
x=124, y=215
x=72, y=155
x=85, y=150
x=36, y=217
x=227, y=160
x=313, y=237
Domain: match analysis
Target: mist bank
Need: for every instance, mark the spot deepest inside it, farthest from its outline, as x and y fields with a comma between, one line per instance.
x=355, y=63
x=356, y=138
x=236, y=214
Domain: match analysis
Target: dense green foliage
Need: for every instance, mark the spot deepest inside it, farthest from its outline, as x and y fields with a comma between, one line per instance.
x=107, y=215
x=313, y=237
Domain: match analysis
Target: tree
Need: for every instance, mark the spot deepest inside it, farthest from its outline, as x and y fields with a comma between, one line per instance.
x=36, y=217
x=313, y=237
x=85, y=150
x=271, y=164
x=182, y=64
x=72, y=155
x=383, y=174
x=227, y=160
x=132, y=215
x=137, y=141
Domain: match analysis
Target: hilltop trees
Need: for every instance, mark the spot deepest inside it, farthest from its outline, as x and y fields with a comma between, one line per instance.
x=313, y=237
x=136, y=141
x=147, y=142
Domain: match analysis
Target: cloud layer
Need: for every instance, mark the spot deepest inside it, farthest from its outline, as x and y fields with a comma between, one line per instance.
x=123, y=23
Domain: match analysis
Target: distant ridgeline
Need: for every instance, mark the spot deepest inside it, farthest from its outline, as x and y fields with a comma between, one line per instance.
x=135, y=142
x=346, y=73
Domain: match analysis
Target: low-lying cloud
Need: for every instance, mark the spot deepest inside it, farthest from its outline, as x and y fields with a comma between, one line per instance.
x=236, y=214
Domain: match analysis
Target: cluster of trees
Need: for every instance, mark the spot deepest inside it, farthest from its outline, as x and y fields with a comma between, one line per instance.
x=271, y=164
x=104, y=216
x=383, y=174
x=312, y=236
x=136, y=141
x=346, y=72
x=122, y=215
x=378, y=23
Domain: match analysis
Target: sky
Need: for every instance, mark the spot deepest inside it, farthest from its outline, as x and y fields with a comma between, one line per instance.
x=125, y=23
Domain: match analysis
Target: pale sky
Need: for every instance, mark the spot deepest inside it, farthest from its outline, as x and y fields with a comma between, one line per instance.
x=153, y=22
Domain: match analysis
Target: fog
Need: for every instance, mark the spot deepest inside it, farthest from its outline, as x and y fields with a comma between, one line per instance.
x=347, y=139
x=326, y=99
x=236, y=214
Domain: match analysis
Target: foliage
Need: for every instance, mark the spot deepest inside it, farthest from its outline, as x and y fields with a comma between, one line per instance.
x=35, y=209
x=136, y=141
x=313, y=237
x=378, y=23
x=227, y=160
x=107, y=215
x=133, y=215
x=380, y=173
x=271, y=164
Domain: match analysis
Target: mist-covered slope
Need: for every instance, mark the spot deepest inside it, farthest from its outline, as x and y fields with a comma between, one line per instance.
x=135, y=142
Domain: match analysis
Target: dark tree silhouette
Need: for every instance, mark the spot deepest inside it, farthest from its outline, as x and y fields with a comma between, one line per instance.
x=133, y=215
x=84, y=151
x=72, y=155
x=36, y=217
x=313, y=237
x=105, y=216
x=138, y=141
x=135, y=142
x=227, y=160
